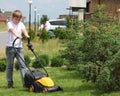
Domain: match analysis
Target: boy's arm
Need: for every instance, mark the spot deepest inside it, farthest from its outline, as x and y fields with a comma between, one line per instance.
x=25, y=33
x=14, y=32
x=11, y=29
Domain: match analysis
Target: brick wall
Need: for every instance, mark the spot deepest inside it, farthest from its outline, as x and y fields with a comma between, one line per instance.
x=112, y=6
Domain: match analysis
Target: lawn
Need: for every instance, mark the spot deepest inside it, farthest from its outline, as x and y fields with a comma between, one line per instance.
x=69, y=80
x=2, y=27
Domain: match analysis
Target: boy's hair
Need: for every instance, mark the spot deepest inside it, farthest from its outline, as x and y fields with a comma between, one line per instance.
x=17, y=13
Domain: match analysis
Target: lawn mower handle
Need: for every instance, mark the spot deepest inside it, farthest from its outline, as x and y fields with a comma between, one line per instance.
x=29, y=45
x=18, y=38
x=14, y=42
x=19, y=55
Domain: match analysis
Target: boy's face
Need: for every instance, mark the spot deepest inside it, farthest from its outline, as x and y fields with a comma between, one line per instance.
x=16, y=20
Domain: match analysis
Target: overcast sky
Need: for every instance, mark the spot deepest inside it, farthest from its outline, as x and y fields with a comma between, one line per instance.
x=51, y=8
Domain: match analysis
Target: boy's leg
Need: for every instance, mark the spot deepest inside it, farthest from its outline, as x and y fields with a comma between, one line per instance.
x=9, y=67
x=21, y=61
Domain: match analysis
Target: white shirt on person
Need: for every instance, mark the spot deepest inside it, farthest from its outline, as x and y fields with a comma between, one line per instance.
x=11, y=37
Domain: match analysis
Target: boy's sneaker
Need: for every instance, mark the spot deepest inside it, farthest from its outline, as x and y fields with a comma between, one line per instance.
x=10, y=87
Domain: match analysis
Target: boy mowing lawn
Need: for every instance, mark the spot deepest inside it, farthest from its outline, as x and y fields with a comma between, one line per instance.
x=15, y=28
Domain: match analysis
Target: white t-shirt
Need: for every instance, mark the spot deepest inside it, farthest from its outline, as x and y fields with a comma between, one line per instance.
x=11, y=37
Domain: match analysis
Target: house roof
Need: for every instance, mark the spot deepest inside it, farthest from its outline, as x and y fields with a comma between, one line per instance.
x=3, y=18
x=7, y=13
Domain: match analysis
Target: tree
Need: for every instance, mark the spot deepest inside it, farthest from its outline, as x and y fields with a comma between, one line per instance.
x=96, y=54
x=43, y=19
x=44, y=35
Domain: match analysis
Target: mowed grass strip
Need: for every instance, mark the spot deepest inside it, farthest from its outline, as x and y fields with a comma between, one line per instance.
x=68, y=80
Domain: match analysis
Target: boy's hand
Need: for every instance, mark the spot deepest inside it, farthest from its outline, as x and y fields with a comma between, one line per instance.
x=19, y=36
x=27, y=36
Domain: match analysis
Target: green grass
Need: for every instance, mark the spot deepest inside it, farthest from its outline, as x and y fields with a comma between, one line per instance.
x=2, y=27
x=69, y=80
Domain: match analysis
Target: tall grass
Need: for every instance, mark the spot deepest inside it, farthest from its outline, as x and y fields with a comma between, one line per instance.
x=50, y=48
x=2, y=53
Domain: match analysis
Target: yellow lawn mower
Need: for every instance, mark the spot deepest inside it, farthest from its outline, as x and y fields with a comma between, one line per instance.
x=36, y=80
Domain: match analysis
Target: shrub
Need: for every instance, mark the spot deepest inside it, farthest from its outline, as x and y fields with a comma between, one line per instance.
x=103, y=80
x=37, y=63
x=46, y=58
x=2, y=64
x=109, y=77
x=27, y=60
x=43, y=61
x=44, y=35
x=31, y=34
x=59, y=33
x=56, y=61
x=96, y=55
x=72, y=54
x=64, y=33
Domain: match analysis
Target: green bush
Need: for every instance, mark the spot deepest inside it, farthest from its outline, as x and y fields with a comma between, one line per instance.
x=27, y=60
x=31, y=34
x=2, y=64
x=38, y=64
x=72, y=30
x=56, y=61
x=109, y=77
x=60, y=33
x=44, y=35
x=46, y=58
x=43, y=61
x=96, y=54
x=103, y=80
x=72, y=54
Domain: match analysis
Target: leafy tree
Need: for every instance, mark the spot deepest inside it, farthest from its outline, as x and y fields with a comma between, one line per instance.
x=43, y=19
x=71, y=32
x=96, y=53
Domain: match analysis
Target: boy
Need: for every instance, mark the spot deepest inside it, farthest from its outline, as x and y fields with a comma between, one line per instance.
x=15, y=28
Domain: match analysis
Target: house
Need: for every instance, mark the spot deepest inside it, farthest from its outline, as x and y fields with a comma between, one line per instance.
x=112, y=6
x=4, y=17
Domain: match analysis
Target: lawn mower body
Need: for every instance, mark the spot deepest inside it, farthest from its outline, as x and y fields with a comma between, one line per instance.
x=37, y=81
